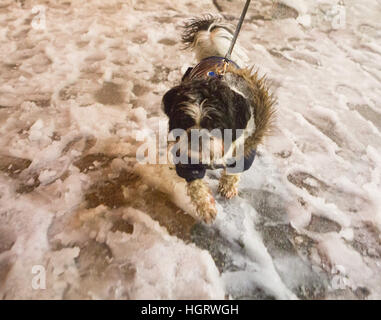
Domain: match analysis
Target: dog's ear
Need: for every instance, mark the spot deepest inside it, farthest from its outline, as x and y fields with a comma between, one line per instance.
x=172, y=104
x=169, y=101
x=186, y=74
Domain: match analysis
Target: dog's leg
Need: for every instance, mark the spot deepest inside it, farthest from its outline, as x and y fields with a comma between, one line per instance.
x=228, y=185
x=202, y=198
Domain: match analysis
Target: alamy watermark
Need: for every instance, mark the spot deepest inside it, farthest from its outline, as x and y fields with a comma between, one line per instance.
x=337, y=16
x=193, y=146
x=39, y=280
x=330, y=17
x=39, y=20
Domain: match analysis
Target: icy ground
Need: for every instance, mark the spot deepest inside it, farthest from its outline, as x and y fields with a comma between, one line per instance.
x=73, y=96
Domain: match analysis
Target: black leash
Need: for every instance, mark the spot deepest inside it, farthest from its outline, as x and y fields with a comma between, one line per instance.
x=237, y=30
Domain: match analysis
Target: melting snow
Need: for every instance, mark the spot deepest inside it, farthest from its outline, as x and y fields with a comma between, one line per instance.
x=75, y=93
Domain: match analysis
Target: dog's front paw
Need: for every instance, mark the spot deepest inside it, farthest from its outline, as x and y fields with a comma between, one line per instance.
x=203, y=200
x=228, y=192
x=228, y=186
x=207, y=209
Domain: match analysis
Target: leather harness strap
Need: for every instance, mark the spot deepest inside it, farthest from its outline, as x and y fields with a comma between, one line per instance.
x=210, y=67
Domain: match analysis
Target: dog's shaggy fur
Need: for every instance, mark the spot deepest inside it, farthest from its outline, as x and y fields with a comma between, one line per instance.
x=237, y=100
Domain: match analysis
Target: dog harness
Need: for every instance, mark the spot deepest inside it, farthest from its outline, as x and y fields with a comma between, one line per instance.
x=210, y=67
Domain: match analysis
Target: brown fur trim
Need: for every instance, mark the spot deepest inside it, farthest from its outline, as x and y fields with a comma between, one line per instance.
x=262, y=103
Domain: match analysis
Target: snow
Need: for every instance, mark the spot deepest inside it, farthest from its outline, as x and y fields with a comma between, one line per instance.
x=76, y=94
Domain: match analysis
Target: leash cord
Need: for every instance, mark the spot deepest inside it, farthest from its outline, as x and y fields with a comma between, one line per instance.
x=237, y=30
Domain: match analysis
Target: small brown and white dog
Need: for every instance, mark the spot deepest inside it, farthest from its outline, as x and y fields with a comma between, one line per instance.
x=217, y=95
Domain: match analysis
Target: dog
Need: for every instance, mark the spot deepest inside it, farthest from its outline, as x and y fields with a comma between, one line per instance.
x=217, y=94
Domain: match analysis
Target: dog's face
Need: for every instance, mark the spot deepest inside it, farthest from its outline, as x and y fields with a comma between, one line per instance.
x=208, y=104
